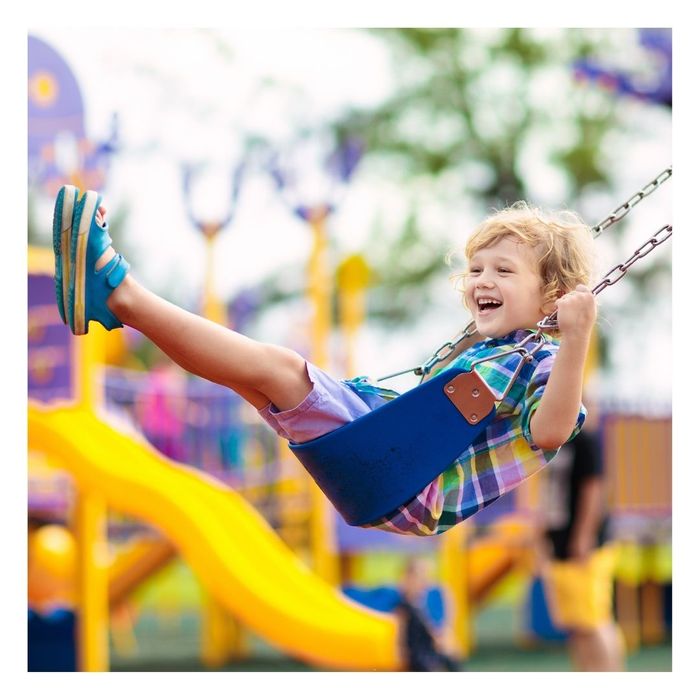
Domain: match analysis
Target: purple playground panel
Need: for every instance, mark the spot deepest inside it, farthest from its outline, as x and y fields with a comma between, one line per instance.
x=49, y=361
x=58, y=146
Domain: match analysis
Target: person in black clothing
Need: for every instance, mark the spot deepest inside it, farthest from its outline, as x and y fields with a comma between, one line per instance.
x=420, y=646
x=580, y=563
x=576, y=518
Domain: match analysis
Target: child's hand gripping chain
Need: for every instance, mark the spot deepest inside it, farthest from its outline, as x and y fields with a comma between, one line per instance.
x=552, y=424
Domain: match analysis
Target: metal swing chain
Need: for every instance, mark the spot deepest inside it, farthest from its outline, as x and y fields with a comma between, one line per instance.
x=620, y=270
x=446, y=349
x=624, y=209
x=442, y=353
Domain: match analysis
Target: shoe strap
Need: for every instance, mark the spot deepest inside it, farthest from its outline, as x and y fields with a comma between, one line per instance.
x=112, y=274
x=116, y=270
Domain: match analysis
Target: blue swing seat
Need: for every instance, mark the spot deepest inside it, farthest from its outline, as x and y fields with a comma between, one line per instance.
x=376, y=463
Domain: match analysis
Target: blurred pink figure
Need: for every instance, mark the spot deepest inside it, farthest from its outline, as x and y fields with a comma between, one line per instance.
x=161, y=409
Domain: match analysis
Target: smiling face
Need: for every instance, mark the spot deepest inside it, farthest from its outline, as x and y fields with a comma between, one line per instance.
x=503, y=289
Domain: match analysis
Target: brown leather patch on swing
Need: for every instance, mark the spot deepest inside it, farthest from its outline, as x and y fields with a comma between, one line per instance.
x=470, y=395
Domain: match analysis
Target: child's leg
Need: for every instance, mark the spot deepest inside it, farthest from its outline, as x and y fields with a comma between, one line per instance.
x=261, y=373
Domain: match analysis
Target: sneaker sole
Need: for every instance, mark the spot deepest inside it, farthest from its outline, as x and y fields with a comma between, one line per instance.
x=62, y=228
x=79, y=240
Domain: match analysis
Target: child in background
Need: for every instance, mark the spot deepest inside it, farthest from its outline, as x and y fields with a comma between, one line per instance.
x=422, y=647
x=521, y=266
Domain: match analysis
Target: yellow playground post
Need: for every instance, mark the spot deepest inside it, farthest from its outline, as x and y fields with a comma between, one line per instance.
x=90, y=526
x=323, y=547
x=353, y=279
x=213, y=309
x=90, y=515
x=223, y=637
x=92, y=618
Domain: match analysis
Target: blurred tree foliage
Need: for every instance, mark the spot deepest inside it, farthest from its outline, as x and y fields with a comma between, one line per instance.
x=472, y=110
x=469, y=104
x=476, y=117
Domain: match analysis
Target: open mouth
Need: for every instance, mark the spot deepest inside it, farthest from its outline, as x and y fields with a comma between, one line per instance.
x=486, y=306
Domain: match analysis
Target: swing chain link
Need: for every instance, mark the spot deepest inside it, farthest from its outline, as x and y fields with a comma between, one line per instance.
x=450, y=346
x=657, y=239
x=442, y=353
x=615, y=274
x=625, y=208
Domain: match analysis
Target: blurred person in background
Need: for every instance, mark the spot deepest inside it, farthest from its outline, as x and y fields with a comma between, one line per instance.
x=423, y=648
x=579, y=559
x=161, y=407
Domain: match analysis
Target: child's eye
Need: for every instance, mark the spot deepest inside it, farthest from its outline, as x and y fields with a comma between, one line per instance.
x=503, y=269
x=474, y=270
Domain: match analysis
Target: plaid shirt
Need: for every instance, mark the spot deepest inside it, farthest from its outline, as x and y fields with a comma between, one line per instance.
x=503, y=457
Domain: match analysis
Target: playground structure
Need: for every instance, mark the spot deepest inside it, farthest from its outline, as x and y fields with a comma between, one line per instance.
x=238, y=557
x=221, y=537
x=278, y=567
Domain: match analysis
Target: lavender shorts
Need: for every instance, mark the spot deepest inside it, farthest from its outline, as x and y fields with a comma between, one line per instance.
x=330, y=404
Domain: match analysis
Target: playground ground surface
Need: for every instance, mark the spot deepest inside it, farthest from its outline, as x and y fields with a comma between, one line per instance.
x=174, y=646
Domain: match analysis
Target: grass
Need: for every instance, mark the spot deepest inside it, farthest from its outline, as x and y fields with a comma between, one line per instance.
x=174, y=646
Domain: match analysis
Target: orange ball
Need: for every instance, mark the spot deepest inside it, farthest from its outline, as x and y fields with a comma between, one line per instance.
x=52, y=566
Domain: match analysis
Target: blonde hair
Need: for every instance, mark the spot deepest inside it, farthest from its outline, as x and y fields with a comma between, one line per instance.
x=561, y=241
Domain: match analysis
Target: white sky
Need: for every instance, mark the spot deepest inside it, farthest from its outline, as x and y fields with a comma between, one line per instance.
x=179, y=99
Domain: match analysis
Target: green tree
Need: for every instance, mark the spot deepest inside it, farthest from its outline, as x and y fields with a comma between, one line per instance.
x=477, y=119
x=475, y=116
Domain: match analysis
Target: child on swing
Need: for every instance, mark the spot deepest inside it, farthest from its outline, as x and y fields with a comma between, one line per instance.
x=522, y=265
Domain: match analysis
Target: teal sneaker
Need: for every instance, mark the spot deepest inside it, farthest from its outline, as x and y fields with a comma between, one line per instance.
x=88, y=289
x=62, y=227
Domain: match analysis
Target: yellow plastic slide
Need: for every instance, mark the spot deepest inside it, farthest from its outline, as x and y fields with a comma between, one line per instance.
x=237, y=556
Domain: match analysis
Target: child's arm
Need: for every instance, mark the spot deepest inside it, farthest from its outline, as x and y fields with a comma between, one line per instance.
x=555, y=418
